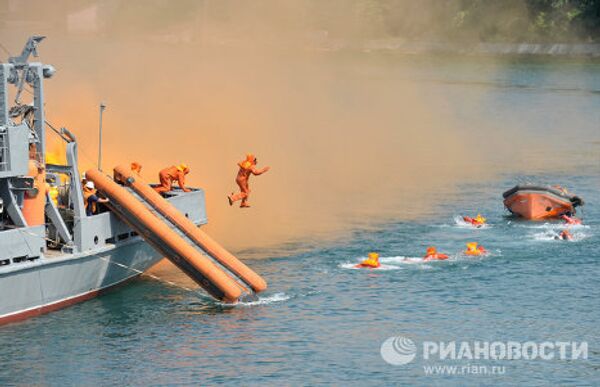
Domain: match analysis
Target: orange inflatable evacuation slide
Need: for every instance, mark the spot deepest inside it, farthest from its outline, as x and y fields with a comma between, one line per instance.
x=199, y=237
x=159, y=234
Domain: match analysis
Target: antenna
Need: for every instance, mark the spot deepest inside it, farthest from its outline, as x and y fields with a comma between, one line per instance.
x=29, y=49
x=102, y=107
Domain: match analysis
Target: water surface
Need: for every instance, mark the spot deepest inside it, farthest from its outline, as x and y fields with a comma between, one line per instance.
x=322, y=322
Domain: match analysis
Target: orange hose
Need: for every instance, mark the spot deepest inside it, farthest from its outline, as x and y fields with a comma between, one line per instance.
x=231, y=290
x=209, y=245
x=34, y=205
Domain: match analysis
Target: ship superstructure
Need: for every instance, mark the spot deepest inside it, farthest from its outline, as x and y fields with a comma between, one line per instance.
x=52, y=254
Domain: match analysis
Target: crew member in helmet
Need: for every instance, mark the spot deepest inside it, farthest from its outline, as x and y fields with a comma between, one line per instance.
x=91, y=198
x=171, y=174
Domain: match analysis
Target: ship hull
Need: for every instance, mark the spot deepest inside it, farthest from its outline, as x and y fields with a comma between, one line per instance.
x=61, y=282
x=113, y=254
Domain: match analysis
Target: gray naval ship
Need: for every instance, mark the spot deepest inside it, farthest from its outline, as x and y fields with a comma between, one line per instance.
x=54, y=255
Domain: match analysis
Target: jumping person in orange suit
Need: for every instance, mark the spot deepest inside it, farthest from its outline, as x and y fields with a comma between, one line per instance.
x=247, y=168
x=173, y=173
x=91, y=199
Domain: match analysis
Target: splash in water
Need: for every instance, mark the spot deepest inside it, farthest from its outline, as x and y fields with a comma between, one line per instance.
x=461, y=223
x=552, y=236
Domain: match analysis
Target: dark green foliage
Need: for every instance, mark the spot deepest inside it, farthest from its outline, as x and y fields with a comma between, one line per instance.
x=477, y=20
x=552, y=21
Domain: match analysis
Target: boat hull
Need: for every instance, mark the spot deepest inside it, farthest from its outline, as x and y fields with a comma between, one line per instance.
x=53, y=280
x=61, y=282
x=538, y=205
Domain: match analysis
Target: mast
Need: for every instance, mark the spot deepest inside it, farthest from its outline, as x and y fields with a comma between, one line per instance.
x=31, y=73
x=102, y=107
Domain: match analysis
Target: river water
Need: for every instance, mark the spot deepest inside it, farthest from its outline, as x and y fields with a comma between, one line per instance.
x=323, y=322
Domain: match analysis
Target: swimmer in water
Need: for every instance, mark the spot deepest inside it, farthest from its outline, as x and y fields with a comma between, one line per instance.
x=570, y=220
x=564, y=235
x=432, y=255
x=474, y=250
x=372, y=262
x=477, y=221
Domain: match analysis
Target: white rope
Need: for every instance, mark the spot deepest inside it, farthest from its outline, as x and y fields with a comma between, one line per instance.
x=109, y=261
x=144, y=273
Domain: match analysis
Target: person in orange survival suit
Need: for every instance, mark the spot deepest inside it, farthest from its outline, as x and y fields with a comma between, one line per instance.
x=372, y=262
x=173, y=173
x=432, y=254
x=247, y=168
x=477, y=221
x=570, y=219
x=564, y=235
x=136, y=167
x=474, y=249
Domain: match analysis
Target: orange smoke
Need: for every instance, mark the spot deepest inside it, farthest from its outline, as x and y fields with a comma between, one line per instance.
x=352, y=140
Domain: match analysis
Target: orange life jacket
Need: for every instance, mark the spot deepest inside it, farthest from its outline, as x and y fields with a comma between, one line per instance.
x=369, y=263
x=439, y=257
x=473, y=249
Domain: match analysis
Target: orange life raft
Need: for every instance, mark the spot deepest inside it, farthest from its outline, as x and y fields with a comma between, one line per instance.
x=540, y=202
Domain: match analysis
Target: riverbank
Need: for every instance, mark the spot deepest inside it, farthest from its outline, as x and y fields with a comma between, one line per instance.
x=581, y=50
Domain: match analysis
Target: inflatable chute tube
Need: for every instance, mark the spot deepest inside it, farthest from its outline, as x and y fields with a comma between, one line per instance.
x=165, y=240
x=203, y=240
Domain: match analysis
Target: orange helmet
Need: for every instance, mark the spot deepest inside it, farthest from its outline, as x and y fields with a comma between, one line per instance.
x=136, y=167
x=374, y=256
x=472, y=246
x=250, y=160
x=431, y=250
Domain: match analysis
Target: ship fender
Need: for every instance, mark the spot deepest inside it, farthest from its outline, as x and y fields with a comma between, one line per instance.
x=34, y=202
